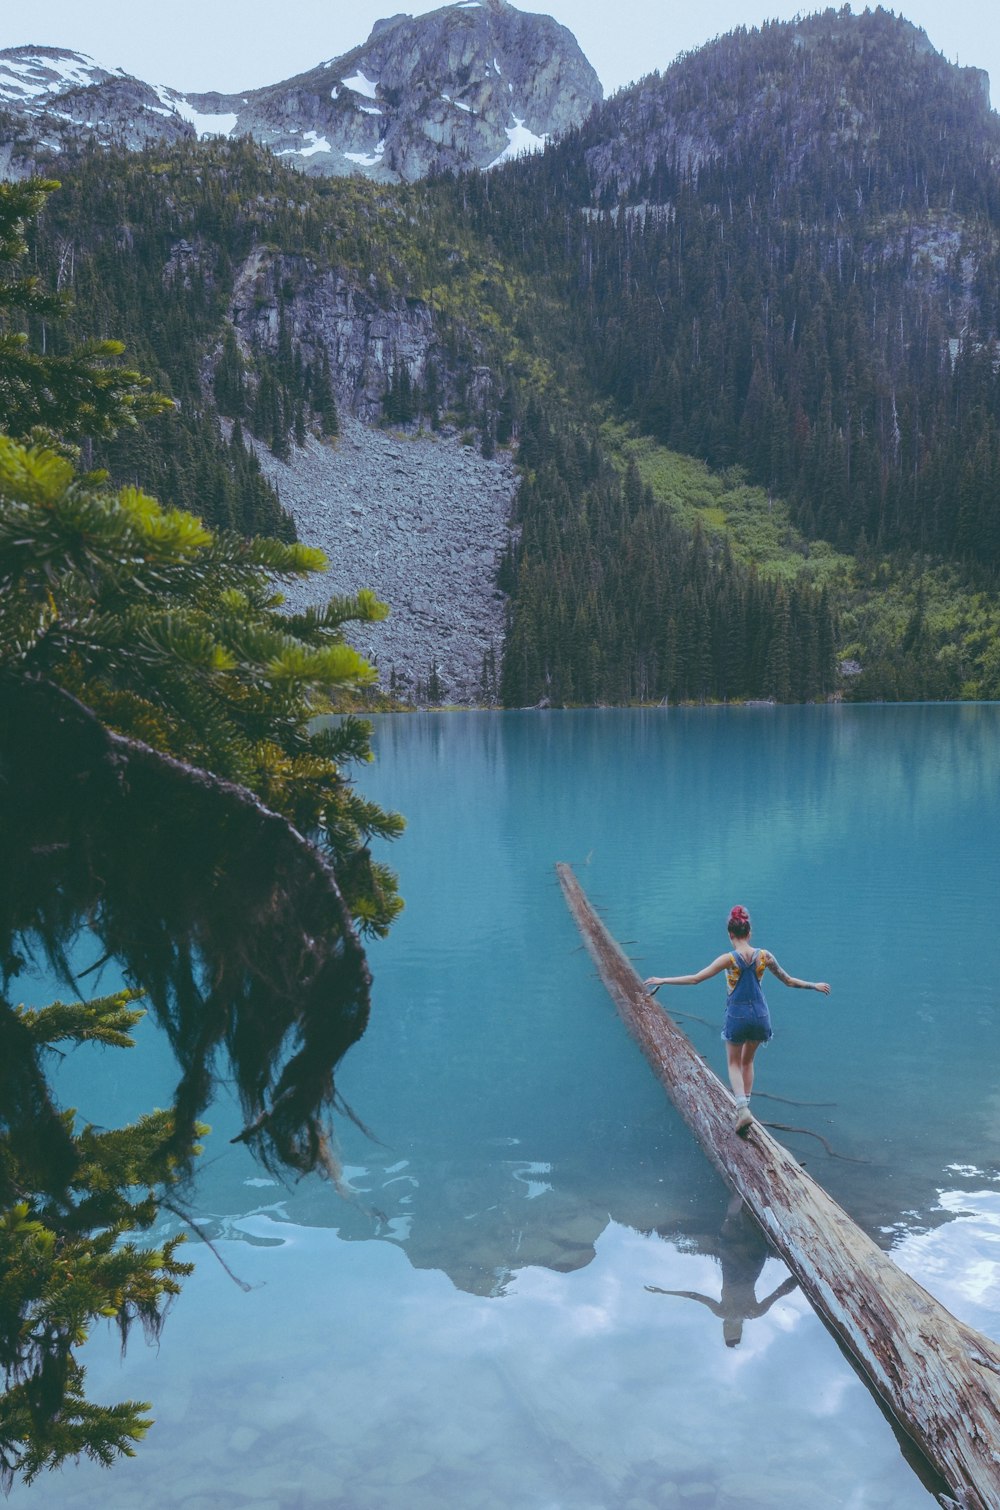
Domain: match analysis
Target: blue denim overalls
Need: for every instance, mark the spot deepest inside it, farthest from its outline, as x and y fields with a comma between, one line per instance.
x=747, y=1017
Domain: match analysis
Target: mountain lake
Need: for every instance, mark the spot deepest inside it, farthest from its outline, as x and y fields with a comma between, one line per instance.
x=534, y=1293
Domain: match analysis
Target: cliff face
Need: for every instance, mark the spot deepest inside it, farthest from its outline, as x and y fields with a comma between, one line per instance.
x=466, y=86
x=367, y=334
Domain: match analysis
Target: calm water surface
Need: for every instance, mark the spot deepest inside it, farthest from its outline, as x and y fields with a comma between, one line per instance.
x=483, y=1321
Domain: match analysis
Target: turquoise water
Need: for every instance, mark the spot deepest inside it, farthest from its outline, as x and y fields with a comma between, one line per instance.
x=472, y=1325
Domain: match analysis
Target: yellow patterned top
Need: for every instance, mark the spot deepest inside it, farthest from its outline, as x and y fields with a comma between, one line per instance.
x=733, y=972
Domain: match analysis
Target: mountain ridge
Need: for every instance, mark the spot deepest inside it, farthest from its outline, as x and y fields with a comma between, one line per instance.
x=466, y=86
x=790, y=89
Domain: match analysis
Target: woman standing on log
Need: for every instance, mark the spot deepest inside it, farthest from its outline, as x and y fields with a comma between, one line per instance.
x=748, y=1022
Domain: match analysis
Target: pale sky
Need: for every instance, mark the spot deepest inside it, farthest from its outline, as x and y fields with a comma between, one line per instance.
x=194, y=45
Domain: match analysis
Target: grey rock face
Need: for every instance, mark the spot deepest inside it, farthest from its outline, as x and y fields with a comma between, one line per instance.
x=464, y=86
x=32, y=77
x=423, y=522
x=365, y=340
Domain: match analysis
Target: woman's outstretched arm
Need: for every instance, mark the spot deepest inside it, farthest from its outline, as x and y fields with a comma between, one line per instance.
x=715, y=968
x=789, y=980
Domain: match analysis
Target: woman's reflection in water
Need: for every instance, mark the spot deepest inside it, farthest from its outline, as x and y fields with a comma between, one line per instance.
x=743, y=1251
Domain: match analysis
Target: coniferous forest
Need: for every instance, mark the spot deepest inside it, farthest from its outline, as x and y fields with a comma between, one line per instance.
x=617, y=603
x=784, y=255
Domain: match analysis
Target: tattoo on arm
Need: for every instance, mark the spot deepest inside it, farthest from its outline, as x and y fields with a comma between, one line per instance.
x=782, y=975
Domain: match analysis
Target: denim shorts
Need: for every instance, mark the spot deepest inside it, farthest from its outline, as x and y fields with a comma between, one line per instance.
x=747, y=1024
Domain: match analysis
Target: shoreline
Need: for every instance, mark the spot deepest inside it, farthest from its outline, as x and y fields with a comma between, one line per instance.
x=752, y=705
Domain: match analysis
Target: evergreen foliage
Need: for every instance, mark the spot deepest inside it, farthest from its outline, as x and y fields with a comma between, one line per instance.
x=174, y=636
x=133, y=640
x=808, y=288
x=80, y=392
x=878, y=600
x=69, y=1258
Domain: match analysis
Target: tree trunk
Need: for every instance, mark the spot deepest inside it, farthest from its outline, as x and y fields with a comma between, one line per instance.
x=939, y=1379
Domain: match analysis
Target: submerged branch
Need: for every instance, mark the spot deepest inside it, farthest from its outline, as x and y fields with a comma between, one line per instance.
x=791, y=1101
x=182, y=1216
x=785, y=1127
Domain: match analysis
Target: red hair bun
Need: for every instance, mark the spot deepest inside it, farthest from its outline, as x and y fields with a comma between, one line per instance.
x=739, y=922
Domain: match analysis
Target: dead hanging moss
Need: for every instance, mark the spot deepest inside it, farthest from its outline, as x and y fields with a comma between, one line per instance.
x=230, y=921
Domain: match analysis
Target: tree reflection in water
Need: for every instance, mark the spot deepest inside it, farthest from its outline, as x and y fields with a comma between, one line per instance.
x=234, y=930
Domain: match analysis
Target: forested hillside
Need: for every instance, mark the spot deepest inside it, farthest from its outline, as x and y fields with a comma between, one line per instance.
x=152, y=246
x=616, y=601
x=782, y=256
x=199, y=257
x=785, y=254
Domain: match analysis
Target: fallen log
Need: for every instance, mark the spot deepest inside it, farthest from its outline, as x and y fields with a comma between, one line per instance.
x=936, y=1377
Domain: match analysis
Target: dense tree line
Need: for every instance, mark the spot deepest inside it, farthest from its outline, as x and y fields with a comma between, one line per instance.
x=614, y=602
x=125, y=276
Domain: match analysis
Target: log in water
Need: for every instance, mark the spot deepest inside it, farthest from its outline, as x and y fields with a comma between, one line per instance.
x=939, y=1379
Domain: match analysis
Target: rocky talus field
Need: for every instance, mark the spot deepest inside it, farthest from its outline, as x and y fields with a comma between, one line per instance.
x=422, y=521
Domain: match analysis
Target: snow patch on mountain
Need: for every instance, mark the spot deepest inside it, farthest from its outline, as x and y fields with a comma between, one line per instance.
x=31, y=72
x=361, y=85
x=316, y=144
x=223, y=124
x=367, y=159
x=519, y=141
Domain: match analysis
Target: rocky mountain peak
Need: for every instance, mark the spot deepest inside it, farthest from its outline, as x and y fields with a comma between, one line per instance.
x=469, y=85
x=54, y=96
x=32, y=73
x=829, y=92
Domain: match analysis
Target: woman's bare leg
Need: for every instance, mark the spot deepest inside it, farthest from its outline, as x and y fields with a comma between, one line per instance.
x=734, y=1064
x=746, y=1066
x=739, y=1062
